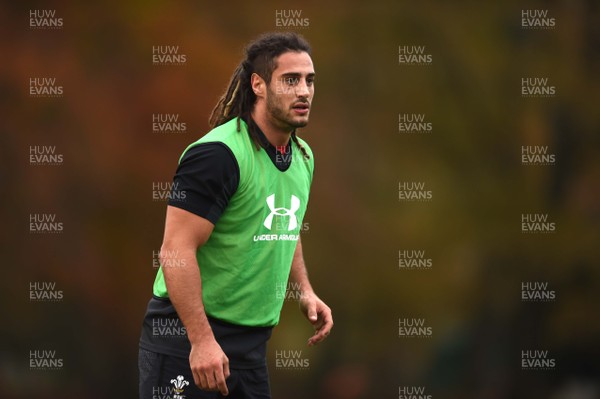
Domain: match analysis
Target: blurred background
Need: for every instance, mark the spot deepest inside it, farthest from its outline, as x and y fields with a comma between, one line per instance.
x=102, y=191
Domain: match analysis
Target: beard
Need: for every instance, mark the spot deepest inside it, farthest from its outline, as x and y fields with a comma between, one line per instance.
x=280, y=115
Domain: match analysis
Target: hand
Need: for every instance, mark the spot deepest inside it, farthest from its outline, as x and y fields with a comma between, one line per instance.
x=210, y=366
x=319, y=316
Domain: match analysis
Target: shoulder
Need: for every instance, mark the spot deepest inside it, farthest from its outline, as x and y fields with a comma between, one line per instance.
x=223, y=135
x=223, y=132
x=215, y=153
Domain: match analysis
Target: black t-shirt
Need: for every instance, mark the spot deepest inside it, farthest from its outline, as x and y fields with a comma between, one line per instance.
x=207, y=177
x=205, y=180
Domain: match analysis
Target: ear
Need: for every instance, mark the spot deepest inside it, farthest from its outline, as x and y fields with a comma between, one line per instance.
x=258, y=85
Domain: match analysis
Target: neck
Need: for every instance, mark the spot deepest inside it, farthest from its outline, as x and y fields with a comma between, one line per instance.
x=277, y=137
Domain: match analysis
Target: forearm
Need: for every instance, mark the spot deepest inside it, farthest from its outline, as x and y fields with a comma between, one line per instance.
x=184, y=285
x=298, y=272
x=317, y=312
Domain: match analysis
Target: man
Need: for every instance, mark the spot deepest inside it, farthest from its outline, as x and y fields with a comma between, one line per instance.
x=232, y=235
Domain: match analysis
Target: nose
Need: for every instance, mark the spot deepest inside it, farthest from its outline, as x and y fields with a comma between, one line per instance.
x=302, y=89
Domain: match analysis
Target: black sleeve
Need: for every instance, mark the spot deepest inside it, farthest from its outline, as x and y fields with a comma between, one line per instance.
x=206, y=179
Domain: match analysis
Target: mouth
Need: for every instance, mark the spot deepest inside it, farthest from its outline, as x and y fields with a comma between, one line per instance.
x=301, y=108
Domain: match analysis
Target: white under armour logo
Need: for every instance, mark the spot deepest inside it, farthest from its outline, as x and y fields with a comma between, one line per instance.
x=286, y=212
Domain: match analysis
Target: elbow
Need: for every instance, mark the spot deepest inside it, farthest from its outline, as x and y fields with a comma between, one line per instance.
x=173, y=258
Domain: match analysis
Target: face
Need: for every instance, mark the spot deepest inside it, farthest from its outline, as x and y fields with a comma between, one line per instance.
x=290, y=92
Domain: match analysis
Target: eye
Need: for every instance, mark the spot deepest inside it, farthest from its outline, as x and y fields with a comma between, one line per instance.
x=310, y=81
x=291, y=81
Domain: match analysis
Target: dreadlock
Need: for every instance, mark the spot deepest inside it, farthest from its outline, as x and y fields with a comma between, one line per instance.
x=239, y=98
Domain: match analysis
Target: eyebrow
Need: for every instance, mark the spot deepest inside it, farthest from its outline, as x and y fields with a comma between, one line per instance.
x=296, y=74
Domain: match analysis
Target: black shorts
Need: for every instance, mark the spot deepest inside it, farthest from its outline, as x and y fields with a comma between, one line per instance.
x=164, y=376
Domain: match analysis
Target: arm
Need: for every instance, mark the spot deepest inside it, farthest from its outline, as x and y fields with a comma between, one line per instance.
x=184, y=234
x=315, y=310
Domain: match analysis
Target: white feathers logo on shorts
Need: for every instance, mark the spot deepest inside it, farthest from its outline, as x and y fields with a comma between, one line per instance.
x=179, y=383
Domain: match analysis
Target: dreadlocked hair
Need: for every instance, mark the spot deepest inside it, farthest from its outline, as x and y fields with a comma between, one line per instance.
x=238, y=99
